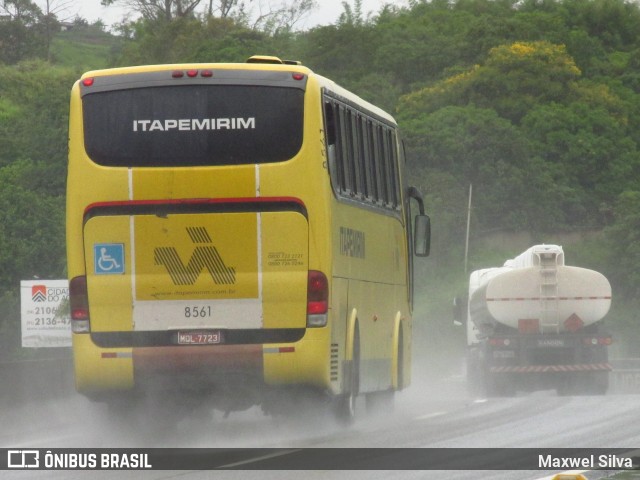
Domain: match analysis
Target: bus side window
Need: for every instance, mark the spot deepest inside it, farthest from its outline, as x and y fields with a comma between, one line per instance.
x=380, y=170
x=331, y=140
x=386, y=165
x=359, y=157
x=395, y=184
x=330, y=124
x=369, y=166
x=343, y=150
x=362, y=155
x=352, y=148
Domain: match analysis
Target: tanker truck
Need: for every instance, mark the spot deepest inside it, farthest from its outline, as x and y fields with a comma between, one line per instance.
x=536, y=324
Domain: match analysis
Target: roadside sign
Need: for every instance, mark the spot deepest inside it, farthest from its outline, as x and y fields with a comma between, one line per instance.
x=45, y=313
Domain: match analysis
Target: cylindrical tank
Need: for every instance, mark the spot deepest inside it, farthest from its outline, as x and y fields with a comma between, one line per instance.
x=536, y=287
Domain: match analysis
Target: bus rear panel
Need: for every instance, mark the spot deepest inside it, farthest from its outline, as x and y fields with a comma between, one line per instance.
x=207, y=249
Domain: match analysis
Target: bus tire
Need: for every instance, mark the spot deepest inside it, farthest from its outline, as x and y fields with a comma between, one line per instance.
x=380, y=403
x=345, y=408
x=400, y=360
x=383, y=401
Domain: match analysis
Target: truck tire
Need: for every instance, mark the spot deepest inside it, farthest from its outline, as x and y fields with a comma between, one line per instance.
x=499, y=385
x=597, y=383
x=476, y=386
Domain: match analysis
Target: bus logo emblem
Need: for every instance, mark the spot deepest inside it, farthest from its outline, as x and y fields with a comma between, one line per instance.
x=205, y=255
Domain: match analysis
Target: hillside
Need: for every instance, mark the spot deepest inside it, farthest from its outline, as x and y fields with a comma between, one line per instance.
x=84, y=47
x=537, y=104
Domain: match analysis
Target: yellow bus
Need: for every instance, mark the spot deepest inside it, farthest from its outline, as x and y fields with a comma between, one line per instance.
x=237, y=231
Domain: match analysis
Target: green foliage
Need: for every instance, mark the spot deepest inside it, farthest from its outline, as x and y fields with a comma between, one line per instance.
x=191, y=40
x=624, y=239
x=513, y=79
x=19, y=41
x=31, y=224
x=34, y=104
x=85, y=47
x=592, y=154
x=35, y=101
x=10, y=339
x=536, y=103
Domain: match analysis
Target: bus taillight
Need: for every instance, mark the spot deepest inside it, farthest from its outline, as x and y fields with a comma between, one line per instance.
x=79, y=303
x=317, y=299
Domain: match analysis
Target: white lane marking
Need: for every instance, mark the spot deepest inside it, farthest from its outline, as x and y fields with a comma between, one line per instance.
x=430, y=415
x=264, y=457
x=568, y=472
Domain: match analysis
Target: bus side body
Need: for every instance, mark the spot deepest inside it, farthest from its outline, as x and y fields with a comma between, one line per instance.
x=224, y=277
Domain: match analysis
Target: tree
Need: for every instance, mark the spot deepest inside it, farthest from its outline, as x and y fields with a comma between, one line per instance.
x=282, y=18
x=20, y=37
x=31, y=225
x=24, y=11
x=514, y=78
x=592, y=152
x=224, y=7
x=158, y=9
x=624, y=245
x=52, y=11
x=35, y=102
x=512, y=187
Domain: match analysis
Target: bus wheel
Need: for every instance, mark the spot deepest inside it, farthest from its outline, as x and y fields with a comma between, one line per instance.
x=383, y=402
x=346, y=403
x=380, y=403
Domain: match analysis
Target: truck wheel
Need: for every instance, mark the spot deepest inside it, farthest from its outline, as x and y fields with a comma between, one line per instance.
x=476, y=383
x=597, y=383
x=499, y=385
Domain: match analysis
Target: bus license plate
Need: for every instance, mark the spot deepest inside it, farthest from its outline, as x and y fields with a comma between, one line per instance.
x=199, y=338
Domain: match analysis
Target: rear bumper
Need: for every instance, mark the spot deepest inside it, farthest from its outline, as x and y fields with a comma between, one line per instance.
x=547, y=354
x=594, y=367
x=101, y=371
x=170, y=338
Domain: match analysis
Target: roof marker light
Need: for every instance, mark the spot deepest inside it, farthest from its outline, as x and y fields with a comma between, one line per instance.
x=206, y=73
x=298, y=76
x=87, y=82
x=177, y=74
x=192, y=73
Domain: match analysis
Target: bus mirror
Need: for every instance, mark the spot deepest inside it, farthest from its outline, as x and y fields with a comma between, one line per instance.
x=422, y=238
x=458, y=310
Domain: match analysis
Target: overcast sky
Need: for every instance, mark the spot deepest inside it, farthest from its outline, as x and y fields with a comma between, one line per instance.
x=326, y=13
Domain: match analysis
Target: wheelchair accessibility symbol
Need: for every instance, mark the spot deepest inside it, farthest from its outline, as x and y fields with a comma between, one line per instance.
x=108, y=258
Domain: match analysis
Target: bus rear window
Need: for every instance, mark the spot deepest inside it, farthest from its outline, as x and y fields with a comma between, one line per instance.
x=195, y=125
